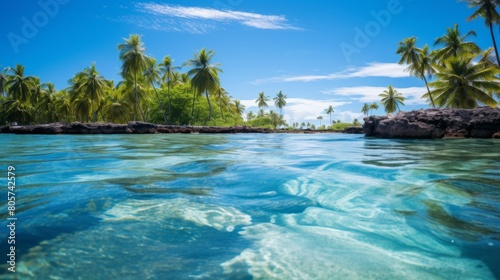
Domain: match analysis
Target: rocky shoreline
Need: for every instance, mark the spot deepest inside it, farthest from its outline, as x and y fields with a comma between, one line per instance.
x=481, y=122
x=147, y=128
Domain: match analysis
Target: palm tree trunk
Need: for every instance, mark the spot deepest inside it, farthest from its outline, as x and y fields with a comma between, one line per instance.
x=169, y=100
x=220, y=106
x=209, y=106
x=428, y=91
x=4, y=117
x=494, y=44
x=192, y=106
x=159, y=101
x=137, y=98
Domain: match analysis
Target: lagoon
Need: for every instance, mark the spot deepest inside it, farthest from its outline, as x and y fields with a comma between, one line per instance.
x=252, y=206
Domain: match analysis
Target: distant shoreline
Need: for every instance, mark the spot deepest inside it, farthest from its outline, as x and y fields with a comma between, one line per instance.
x=149, y=128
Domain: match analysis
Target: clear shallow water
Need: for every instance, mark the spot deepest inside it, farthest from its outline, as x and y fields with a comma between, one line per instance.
x=326, y=206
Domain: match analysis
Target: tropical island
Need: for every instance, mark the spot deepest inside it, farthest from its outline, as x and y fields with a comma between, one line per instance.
x=151, y=92
x=141, y=167
x=458, y=75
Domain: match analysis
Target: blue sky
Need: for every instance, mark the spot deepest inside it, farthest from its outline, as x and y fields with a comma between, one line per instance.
x=319, y=53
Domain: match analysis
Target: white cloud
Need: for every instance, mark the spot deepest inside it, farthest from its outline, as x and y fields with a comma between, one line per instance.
x=202, y=20
x=374, y=69
x=370, y=94
x=307, y=110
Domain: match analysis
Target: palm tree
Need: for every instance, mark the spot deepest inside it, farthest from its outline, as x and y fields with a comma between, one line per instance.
x=455, y=44
x=373, y=106
x=487, y=58
x=45, y=103
x=3, y=81
x=222, y=96
x=19, y=86
x=204, y=75
x=36, y=90
x=62, y=105
x=129, y=91
x=169, y=72
x=280, y=101
x=320, y=118
x=463, y=83
x=238, y=109
x=262, y=100
x=427, y=60
x=487, y=10
x=365, y=109
x=418, y=60
x=152, y=75
x=184, y=78
x=94, y=86
x=391, y=99
x=132, y=54
x=18, y=111
x=329, y=111
x=276, y=119
x=116, y=109
x=88, y=86
x=250, y=116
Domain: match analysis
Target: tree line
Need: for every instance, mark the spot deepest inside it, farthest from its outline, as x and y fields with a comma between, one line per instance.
x=457, y=75
x=150, y=91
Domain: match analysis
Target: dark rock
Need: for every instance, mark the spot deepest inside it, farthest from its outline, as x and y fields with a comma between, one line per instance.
x=142, y=127
x=75, y=128
x=52, y=128
x=481, y=122
x=111, y=128
x=4, y=129
x=353, y=130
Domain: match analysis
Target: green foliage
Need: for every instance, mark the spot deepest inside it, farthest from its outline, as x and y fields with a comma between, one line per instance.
x=391, y=99
x=464, y=76
x=419, y=61
x=204, y=76
x=87, y=90
x=145, y=87
x=329, y=111
x=181, y=99
x=365, y=109
x=280, y=101
x=262, y=100
x=464, y=84
x=268, y=120
x=135, y=61
x=343, y=125
x=487, y=9
x=455, y=44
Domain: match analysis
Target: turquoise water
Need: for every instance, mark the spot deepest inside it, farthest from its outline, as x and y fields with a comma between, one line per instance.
x=252, y=206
